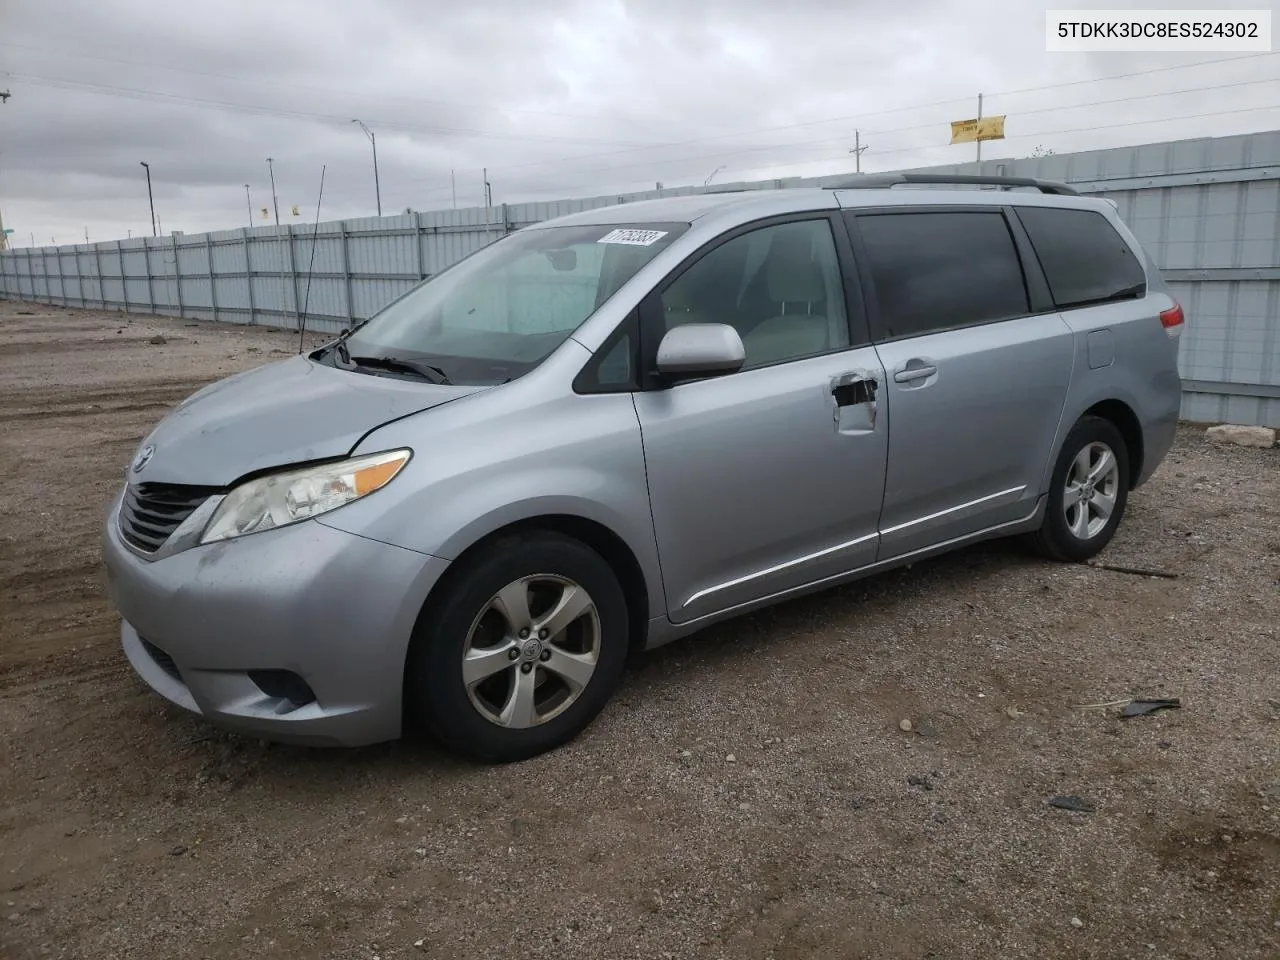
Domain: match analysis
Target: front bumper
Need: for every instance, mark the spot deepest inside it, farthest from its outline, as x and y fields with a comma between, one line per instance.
x=332, y=608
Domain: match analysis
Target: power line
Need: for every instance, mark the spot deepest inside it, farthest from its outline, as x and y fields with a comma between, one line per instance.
x=906, y=129
x=891, y=111
x=906, y=149
x=630, y=146
x=331, y=91
x=135, y=93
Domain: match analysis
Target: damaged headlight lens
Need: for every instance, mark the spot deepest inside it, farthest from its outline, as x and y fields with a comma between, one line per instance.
x=287, y=497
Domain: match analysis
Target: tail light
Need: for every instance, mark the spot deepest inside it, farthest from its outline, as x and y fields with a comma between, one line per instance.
x=1172, y=320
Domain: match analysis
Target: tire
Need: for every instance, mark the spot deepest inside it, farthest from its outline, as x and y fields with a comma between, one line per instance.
x=1056, y=538
x=526, y=705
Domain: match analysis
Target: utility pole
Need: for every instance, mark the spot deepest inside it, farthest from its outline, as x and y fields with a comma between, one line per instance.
x=858, y=147
x=373, y=142
x=249, y=202
x=275, y=205
x=150, y=198
x=488, y=188
x=979, y=140
x=453, y=186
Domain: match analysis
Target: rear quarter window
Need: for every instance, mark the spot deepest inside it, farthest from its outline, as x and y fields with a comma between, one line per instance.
x=1084, y=258
x=942, y=270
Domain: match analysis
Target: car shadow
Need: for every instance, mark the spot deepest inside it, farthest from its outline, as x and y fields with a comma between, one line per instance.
x=236, y=761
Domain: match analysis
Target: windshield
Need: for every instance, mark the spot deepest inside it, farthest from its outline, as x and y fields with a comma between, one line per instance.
x=499, y=313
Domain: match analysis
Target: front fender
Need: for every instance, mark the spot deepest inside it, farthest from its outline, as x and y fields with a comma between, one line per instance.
x=476, y=471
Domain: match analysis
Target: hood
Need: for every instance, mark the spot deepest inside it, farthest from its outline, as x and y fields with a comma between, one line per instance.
x=277, y=415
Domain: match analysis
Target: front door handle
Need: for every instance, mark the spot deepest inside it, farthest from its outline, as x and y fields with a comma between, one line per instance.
x=913, y=371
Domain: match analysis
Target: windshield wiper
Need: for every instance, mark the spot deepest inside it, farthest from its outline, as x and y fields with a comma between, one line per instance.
x=426, y=371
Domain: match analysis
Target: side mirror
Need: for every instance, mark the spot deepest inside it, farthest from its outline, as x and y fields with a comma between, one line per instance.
x=697, y=350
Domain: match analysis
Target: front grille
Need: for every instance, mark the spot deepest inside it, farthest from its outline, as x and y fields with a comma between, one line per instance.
x=162, y=659
x=152, y=511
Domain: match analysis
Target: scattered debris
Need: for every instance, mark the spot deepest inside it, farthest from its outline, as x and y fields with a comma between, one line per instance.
x=1077, y=922
x=1013, y=713
x=1135, y=706
x=157, y=340
x=923, y=782
x=904, y=726
x=1073, y=803
x=730, y=759
x=1136, y=571
x=178, y=851
x=1141, y=708
x=926, y=729
x=1103, y=706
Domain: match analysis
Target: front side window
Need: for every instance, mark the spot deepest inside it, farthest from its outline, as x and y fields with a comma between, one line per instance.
x=1084, y=259
x=937, y=271
x=498, y=314
x=780, y=286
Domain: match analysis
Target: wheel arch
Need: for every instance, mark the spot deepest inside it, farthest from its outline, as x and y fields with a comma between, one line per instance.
x=1122, y=416
x=611, y=546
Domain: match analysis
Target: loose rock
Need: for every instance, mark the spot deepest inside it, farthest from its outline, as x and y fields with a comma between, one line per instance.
x=1242, y=436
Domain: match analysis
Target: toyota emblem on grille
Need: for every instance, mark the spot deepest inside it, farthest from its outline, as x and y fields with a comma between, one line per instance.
x=143, y=458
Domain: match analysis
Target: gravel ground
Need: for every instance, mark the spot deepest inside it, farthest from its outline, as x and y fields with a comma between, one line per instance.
x=749, y=794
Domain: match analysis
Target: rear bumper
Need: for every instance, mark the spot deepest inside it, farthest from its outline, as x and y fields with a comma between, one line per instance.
x=333, y=609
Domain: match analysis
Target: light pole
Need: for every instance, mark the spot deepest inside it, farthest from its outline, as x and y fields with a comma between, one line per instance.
x=274, y=204
x=707, y=182
x=150, y=198
x=248, y=203
x=373, y=142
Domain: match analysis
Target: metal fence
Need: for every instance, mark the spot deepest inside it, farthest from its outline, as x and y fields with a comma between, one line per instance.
x=1208, y=210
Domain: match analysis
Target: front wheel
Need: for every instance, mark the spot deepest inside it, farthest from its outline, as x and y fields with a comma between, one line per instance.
x=522, y=653
x=1087, y=493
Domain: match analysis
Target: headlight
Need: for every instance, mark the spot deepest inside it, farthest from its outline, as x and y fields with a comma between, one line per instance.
x=293, y=495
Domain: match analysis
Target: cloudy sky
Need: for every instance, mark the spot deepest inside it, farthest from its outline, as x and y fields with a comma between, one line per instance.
x=556, y=98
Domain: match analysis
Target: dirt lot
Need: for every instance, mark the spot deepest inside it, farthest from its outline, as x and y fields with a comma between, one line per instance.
x=749, y=794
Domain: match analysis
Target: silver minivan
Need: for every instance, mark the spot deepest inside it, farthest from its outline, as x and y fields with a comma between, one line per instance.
x=612, y=429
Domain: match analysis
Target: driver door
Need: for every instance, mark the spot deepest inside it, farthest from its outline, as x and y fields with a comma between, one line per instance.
x=771, y=478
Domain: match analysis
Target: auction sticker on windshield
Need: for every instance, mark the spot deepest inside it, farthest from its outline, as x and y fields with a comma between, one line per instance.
x=638, y=238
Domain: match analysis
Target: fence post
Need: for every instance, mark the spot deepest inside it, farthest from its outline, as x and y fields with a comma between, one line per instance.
x=124, y=277
x=177, y=275
x=293, y=284
x=62, y=286
x=213, y=284
x=151, y=290
x=248, y=275
x=346, y=275
x=417, y=245
x=97, y=260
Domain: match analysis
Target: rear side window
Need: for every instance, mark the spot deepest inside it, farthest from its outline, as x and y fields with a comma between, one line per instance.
x=938, y=271
x=1083, y=257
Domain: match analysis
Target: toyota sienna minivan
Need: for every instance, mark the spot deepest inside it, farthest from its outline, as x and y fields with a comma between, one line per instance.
x=614, y=428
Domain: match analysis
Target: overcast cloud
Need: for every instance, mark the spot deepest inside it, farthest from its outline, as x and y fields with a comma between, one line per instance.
x=557, y=98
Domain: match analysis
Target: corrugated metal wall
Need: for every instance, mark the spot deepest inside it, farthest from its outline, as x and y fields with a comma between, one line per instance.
x=1208, y=210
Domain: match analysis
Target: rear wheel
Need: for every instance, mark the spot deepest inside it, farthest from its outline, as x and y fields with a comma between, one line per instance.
x=1087, y=494
x=522, y=653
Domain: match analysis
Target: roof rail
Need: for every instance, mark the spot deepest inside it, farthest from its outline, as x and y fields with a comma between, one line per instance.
x=882, y=181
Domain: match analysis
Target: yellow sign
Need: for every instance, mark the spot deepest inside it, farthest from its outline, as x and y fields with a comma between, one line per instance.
x=986, y=128
x=295, y=210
